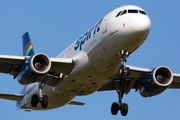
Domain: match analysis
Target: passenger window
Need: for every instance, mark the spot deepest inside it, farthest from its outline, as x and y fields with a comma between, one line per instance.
x=132, y=11
x=118, y=14
x=124, y=12
x=142, y=12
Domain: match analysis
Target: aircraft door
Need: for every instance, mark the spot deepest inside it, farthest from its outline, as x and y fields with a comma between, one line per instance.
x=104, y=23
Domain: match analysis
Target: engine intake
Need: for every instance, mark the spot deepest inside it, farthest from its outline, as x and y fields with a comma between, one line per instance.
x=156, y=82
x=40, y=63
x=34, y=68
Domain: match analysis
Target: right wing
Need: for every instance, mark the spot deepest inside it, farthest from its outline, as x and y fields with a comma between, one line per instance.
x=14, y=97
x=58, y=65
x=12, y=65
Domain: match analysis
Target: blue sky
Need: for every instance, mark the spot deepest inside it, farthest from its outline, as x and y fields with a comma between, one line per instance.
x=55, y=24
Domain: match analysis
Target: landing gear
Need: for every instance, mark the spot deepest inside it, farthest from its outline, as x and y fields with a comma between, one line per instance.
x=43, y=99
x=116, y=107
x=121, y=85
x=123, y=107
x=34, y=100
x=123, y=69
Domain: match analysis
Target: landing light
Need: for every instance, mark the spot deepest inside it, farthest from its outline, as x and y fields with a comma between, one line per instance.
x=61, y=75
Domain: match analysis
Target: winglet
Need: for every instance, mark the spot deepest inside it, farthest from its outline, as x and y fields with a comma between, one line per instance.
x=27, y=45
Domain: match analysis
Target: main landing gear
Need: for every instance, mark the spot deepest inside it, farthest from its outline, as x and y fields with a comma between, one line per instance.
x=123, y=107
x=43, y=99
x=123, y=69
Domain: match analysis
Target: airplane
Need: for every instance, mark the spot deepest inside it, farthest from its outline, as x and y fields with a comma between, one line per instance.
x=96, y=61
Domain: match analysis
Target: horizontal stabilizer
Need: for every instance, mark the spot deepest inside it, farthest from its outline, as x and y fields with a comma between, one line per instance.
x=75, y=103
x=14, y=97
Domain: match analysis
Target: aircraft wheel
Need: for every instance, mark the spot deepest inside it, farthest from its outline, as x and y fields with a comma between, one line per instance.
x=44, y=102
x=34, y=100
x=127, y=71
x=114, y=108
x=124, y=109
x=121, y=71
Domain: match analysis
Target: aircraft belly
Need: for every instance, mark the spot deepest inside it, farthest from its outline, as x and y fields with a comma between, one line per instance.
x=83, y=79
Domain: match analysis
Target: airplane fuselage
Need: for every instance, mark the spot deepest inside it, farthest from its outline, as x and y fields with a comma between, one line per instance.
x=95, y=56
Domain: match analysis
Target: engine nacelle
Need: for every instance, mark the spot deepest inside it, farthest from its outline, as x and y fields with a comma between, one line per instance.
x=34, y=68
x=156, y=82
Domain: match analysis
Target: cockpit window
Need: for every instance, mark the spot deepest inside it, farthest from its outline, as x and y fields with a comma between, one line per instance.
x=124, y=12
x=118, y=13
x=132, y=11
x=142, y=12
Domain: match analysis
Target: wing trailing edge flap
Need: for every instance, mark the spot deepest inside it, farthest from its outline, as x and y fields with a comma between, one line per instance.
x=14, y=97
x=128, y=85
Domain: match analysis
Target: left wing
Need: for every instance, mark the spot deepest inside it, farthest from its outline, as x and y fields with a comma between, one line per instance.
x=134, y=80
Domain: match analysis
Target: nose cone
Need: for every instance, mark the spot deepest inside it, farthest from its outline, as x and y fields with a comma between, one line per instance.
x=141, y=24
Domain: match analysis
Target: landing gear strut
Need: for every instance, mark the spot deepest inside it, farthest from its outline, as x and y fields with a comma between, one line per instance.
x=43, y=99
x=123, y=107
x=123, y=69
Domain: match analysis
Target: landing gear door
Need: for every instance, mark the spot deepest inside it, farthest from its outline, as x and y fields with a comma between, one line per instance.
x=104, y=23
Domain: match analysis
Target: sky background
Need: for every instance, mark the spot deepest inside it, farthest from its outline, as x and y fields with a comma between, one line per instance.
x=54, y=25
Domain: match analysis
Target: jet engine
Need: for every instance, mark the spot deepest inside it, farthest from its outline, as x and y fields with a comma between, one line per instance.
x=36, y=67
x=156, y=82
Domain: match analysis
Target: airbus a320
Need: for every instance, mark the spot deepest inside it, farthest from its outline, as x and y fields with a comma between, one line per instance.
x=96, y=61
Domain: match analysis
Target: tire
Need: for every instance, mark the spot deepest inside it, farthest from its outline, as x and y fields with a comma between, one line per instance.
x=121, y=71
x=34, y=100
x=124, y=110
x=44, y=102
x=127, y=71
x=114, y=108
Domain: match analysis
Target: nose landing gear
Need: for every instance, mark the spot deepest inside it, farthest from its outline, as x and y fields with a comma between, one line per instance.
x=123, y=69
